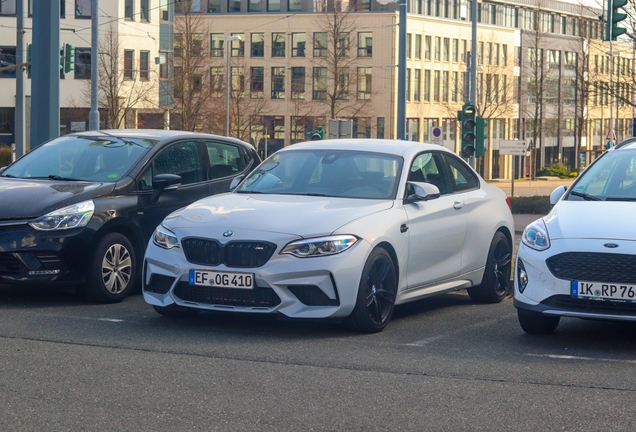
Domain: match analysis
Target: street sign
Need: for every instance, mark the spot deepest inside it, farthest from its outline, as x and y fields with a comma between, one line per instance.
x=436, y=134
x=610, y=135
x=513, y=147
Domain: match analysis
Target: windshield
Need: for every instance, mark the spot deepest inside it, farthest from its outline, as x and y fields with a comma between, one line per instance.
x=610, y=178
x=331, y=173
x=98, y=159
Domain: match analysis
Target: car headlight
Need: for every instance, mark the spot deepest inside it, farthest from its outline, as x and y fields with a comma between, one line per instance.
x=165, y=238
x=74, y=216
x=319, y=246
x=536, y=236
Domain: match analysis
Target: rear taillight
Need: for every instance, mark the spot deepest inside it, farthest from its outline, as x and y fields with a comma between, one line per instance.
x=509, y=203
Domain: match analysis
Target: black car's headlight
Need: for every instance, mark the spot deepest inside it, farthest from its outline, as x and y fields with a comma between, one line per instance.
x=320, y=246
x=536, y=236
x=165, y=238
x=74, y=216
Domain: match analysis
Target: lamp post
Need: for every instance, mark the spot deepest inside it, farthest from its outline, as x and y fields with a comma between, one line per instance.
x=401, y=99
x=228, y=50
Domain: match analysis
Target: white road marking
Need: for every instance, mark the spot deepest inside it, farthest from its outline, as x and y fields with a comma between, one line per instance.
x=570, y=357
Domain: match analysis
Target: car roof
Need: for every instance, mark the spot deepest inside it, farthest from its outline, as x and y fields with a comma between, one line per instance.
x=396, y=147
x=155, y=134
x=628, y=143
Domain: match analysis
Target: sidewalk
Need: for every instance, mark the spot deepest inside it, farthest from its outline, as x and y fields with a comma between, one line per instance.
x=530, y=187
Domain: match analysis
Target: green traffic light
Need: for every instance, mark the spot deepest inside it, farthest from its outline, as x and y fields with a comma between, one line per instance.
x=467, y=118
x=612, y=30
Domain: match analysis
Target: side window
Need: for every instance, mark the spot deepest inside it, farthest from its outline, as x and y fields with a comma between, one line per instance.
x=225, y=160
x=463, y=177
x=181, y=159
x=427, y=168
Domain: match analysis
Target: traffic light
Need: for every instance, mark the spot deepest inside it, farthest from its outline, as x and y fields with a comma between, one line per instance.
x=480, y=136
x=468, y=129
x=61, y=59
x=613, y=18
x=29, y=57
x=315, y=135
x=69, y=58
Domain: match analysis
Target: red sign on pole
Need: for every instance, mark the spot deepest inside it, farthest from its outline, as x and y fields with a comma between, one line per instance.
x=610, y=135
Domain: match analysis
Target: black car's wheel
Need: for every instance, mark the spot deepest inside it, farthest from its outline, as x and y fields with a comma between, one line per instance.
x=494, y=285
x=376, y=293
x=113, y=270
x=176, y=311
x=536, y=323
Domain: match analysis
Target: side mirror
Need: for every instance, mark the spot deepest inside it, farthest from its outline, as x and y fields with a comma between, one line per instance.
x=164, y=182
x=236, y=181
x=421, y=191
x=556, y=194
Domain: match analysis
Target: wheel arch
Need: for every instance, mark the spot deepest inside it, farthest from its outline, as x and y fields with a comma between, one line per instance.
x=391, y=251
x=121, y=227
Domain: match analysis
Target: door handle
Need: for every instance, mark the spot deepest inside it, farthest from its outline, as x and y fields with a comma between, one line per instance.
x=458, y=205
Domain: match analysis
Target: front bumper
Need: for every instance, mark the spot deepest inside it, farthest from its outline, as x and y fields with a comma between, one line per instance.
x=28, y=256
x=549, y=295
x=319, y=287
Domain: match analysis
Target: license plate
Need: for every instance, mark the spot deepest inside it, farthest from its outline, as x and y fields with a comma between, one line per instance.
x=222, y=279
x=603, y=291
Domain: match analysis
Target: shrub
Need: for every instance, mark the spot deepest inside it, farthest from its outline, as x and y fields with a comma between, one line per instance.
x=557, y=170
x=531, y=205
x=5, y=156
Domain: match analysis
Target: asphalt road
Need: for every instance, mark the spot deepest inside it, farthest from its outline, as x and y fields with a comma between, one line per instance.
x=443, y=364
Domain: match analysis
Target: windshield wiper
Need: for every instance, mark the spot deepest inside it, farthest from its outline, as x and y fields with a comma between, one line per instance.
x=586, y=197
x=620, y=199
x=56, y=177
x=7, y=175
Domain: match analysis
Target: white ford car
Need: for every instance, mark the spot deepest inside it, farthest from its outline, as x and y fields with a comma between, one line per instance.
x=580, y=260
x=342, y=229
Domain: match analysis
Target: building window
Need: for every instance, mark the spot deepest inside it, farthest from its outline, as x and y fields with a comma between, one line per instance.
x=299, y=41
x=197, y=44
x=343, y=45
x=217, y=41
x=217, y=80
x=238, y=81
x=380, y=127
x=143, y=11
x=214, y=6
x=455, y=55
x=278, y=83
x=257, y=82
x=320, y=44
x=294, y=5
x=298, y=83
x=254, y=5
x=164, y=14
x=361, y=127
x=408, y=84
x=436, y=86
x=7, y=7
x=7, y=58
x=144, y=65
x=365, y=44
x=129, y=57
x=418, y=47
x=427, y=47
x=342, y=89
x=273, y=5
x=82, y=63
x=233, y=5
x=554, y=59
x=320, y=83
x=178, y=45
x=128, y=9
x=417, y=84
x=446, y=50
x=408, y=45
x=365, y=80
x=438, y=48
x=427, y=85
x=455, y=86
x=257, y=45
x=238, y=46
x=278, y=44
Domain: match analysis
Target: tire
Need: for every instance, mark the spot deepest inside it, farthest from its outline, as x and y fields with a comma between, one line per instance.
x=376, y=294
x=536, y=323
x=175, y=311
x=494, y=285
x=113, y=270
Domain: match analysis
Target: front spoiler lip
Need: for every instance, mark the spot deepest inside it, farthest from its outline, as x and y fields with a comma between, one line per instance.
x=551, y=310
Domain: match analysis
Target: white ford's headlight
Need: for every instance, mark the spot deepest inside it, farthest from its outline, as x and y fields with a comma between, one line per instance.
x=74, y=216
x=536, y=236
x=165, y=238
x=320, y=246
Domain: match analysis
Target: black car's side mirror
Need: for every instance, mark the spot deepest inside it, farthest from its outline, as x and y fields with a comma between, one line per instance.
x=236, y=181
x=420, y=191
x=164, y=182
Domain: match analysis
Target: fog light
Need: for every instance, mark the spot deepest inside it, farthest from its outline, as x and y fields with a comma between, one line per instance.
x=522, y=276
x=43, y=272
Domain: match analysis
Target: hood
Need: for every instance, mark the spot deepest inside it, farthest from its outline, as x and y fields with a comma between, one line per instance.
x=304, y=216
x=592, y=220
x=29, y=198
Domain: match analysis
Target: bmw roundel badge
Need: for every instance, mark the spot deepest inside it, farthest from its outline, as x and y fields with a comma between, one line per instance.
x=228, y=233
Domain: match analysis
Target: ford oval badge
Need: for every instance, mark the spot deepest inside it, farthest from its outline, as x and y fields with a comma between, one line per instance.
x=228, y=233
x=610, y=245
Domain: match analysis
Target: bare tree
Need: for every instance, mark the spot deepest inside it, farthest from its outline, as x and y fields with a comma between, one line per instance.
x=245, y=102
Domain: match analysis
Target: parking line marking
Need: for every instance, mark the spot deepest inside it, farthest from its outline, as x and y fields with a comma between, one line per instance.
x=581, y=358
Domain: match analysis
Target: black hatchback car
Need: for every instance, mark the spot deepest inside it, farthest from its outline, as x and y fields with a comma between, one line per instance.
x=81, y=208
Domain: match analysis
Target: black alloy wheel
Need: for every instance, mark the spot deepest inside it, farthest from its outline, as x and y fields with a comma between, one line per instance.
x=494, y=285
x=376, y=293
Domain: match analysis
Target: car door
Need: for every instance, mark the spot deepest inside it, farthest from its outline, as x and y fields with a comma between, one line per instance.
x=436, y=227
x=473, y=199
x=184, y=159
x=226, y=161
